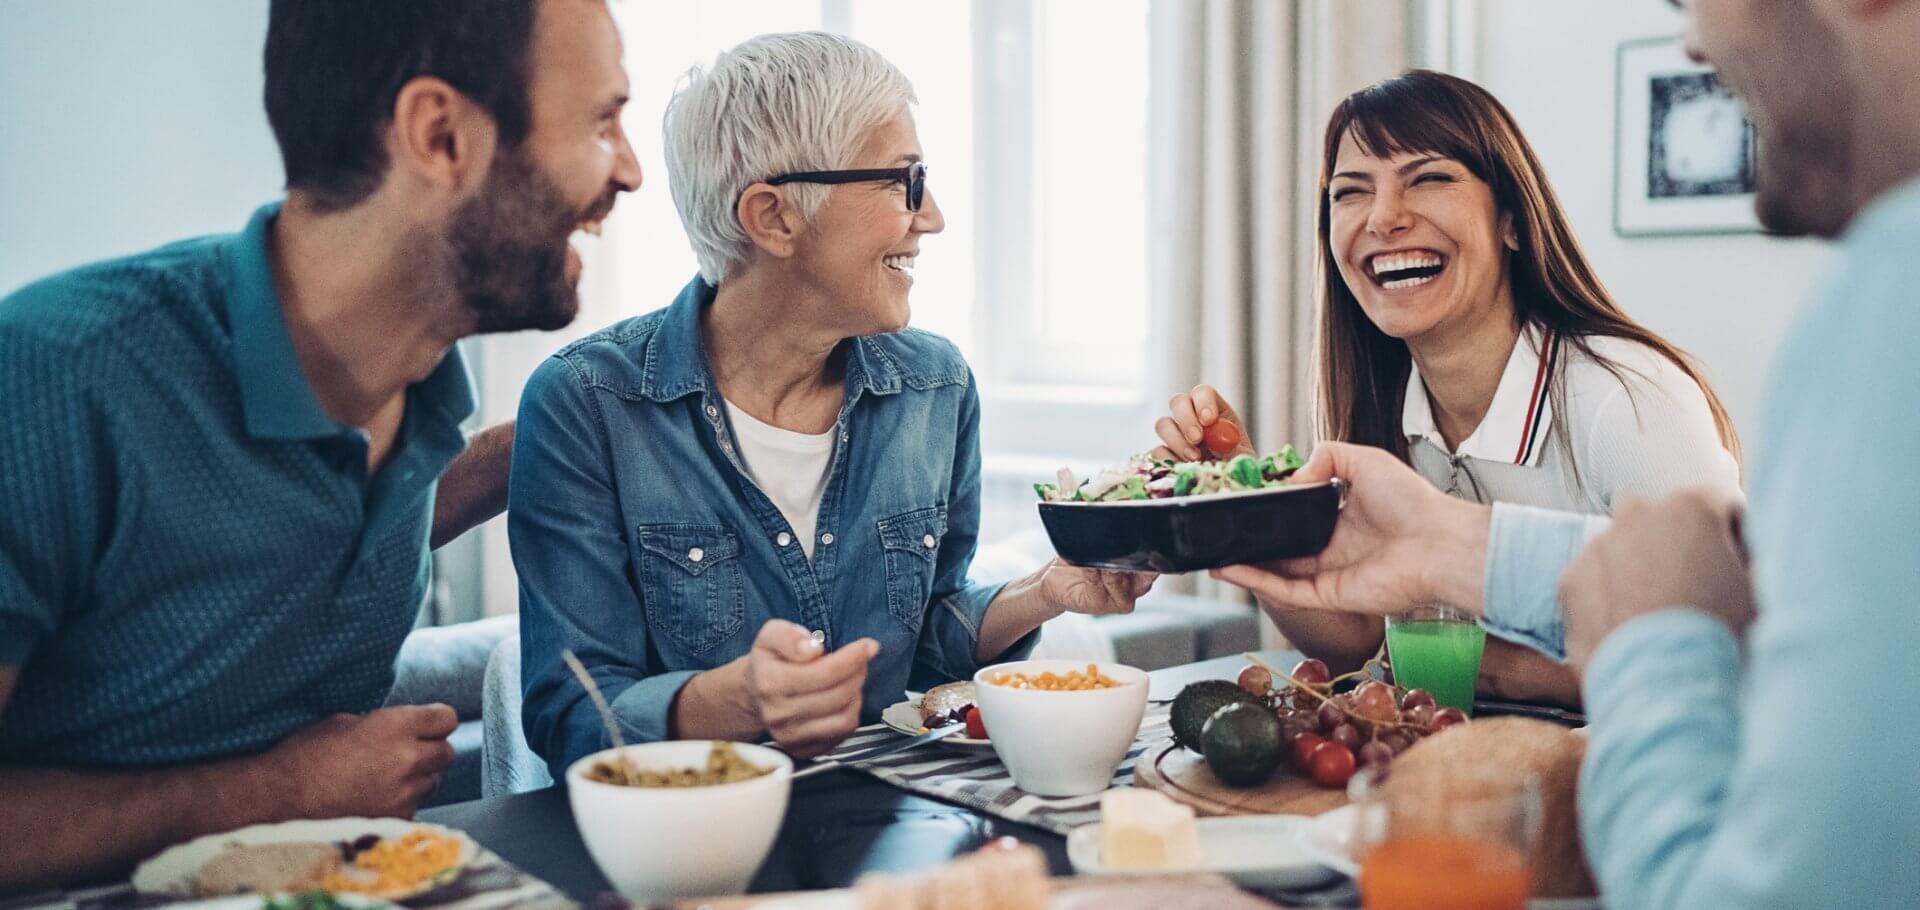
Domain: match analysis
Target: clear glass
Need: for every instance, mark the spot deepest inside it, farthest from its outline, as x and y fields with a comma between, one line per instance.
x=1437, y=648
x=1460, y=841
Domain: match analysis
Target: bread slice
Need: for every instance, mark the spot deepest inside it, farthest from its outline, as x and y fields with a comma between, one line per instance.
x=945, y=699
x=1514, y=748
x=261, y=868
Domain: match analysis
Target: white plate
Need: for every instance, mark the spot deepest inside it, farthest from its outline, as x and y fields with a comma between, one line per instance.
x=174, y=870
x=905, y=717
x=1255, y=851
x=256, y=902
x=1328, y=839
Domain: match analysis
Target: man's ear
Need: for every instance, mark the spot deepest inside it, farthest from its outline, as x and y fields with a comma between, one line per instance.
x=439, y=137
x=769, y=220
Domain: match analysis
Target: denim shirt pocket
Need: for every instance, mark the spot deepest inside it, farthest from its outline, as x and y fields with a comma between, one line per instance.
x=911, y=543
x=690, y=582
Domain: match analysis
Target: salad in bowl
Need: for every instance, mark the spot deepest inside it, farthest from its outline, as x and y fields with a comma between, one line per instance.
x=1144, y=477
x=1160, y=515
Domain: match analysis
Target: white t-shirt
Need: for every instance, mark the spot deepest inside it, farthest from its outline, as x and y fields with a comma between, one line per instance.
x=1643, y=434
x=791, y=468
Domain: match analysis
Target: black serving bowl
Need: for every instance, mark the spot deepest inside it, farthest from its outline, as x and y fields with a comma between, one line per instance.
x=1190, y=533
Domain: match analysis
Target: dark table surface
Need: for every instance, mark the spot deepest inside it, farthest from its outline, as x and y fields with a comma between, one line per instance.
x=839, y=825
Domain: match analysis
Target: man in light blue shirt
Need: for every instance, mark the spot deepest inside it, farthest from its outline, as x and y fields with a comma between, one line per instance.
x=1735, y=761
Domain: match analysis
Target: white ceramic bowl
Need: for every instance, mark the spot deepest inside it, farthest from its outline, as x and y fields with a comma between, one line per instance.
x=660, y=843
x=1061, y=743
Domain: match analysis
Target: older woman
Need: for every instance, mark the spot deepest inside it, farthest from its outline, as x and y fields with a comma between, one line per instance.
x=1463, y=330
x=752, y=512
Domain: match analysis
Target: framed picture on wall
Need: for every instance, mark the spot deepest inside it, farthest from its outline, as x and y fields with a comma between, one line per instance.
x=1684, y=163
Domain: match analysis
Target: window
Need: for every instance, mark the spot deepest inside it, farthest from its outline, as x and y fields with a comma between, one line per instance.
x=1034, y=119
x=1033, y=116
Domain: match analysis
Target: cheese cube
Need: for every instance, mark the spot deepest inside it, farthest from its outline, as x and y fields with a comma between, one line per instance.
x=1141, y=829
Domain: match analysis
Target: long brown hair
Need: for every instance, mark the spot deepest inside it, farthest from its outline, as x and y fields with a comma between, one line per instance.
x=1363, y=371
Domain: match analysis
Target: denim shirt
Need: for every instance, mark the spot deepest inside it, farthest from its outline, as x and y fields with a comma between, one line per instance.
x=643, y=545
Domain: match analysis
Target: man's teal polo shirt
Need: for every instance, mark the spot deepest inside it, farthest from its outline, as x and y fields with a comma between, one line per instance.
x=194, y=562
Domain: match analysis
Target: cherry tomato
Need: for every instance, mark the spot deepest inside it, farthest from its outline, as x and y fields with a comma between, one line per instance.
x=1257, y=680
x=1303, y=746
x=1222, y=438
x=976, y=728
x=1312, y=672
x=1447, y=717
x=1330, y=765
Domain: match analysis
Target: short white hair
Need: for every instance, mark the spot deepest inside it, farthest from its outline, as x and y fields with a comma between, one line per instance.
x=776, y=104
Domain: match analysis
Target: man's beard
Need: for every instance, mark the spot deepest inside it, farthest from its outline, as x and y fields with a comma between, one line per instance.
x=509, y=250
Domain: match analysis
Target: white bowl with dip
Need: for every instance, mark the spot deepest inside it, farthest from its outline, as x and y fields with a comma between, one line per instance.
x=1061, y=743
x=669, y=843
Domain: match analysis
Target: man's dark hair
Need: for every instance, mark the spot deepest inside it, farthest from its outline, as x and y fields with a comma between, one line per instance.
x=334, y=68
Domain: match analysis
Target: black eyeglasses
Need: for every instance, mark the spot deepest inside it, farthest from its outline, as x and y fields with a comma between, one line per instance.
x=914, y=176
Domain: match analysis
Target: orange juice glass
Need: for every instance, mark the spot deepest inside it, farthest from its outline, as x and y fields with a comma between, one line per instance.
x=1455, y=844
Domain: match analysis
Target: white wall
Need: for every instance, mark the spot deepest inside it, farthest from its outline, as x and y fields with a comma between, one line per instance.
x=1727, y=299
x=125, y=124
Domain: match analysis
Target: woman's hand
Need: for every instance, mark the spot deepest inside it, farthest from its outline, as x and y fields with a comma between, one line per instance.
x=808, y=700
x=1093, y=591
x=1201, y=423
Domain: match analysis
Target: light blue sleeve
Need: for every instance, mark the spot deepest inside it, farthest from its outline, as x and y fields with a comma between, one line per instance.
x=1527, y=550
x=1790, y=784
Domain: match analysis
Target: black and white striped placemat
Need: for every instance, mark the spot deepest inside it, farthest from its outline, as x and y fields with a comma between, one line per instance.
x=977, y=779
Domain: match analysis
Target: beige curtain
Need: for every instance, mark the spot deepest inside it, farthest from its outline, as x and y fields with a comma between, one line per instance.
x=1241, y=90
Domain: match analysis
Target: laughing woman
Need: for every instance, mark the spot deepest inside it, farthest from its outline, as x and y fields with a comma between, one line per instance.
x=752, y=512
x=1463, y=330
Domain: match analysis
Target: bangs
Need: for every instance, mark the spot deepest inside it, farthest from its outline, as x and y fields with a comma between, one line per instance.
x=1408, y=115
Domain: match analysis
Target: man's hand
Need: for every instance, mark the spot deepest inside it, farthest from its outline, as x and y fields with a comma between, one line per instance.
x=1093, y=591
x=807, y=700
x=1683, y=551
x=1191, y=416
x=1399, y=542
x=379, y=765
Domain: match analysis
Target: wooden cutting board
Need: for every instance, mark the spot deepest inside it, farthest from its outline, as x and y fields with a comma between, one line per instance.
x=1184, y=776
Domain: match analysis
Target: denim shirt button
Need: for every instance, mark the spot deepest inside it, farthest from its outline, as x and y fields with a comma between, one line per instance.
x=928, y=540
x=696, y=554
x=783, y=539
x=713, y=411
x=826, y=539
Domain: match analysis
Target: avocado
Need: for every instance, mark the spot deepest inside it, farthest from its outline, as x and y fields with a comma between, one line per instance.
x=1197, y=702
x=1242, y=744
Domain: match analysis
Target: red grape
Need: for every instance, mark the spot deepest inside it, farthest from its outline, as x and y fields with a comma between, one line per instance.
x=1415, y=698
x=1447, y=717
x=1374, y=701
x=1397, y=742
x=1329, y=716
x=1312, y=672
x=1420, y=716
x=1346, y=734
x=1375, y=753
x=1330, y=765
x=1257, y=680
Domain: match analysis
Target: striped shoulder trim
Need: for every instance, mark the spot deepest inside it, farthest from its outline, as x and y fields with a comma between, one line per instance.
x=1537, y=407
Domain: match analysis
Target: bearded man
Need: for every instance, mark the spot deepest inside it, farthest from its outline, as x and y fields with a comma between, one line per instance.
x=225, y=460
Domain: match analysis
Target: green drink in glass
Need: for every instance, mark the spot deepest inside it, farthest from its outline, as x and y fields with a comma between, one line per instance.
x=1437, y=649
